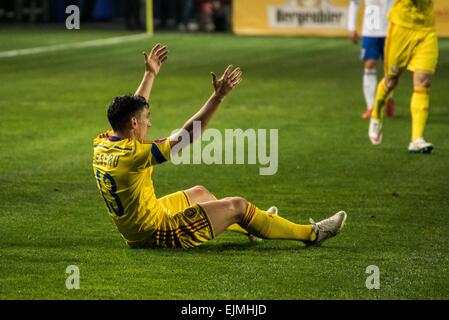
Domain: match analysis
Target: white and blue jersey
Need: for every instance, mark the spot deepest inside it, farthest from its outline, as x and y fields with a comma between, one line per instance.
x=375, y=25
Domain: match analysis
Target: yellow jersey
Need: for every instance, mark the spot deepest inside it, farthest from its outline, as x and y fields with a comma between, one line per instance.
x=413, y=14
x=122, y=169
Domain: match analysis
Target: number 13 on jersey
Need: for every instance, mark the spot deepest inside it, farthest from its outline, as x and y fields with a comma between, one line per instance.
x=108, y=189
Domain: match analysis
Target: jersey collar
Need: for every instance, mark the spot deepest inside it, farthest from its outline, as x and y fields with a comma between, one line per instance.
x=114, y=138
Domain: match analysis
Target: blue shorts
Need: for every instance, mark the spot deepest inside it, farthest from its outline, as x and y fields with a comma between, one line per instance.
x=372, y=48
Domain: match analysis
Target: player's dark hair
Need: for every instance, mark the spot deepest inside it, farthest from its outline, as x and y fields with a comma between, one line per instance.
x=124, y=108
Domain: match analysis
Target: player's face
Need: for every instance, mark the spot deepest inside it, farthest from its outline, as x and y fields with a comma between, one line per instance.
x=143, y=123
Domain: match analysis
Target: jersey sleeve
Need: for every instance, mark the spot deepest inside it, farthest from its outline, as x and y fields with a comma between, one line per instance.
x=352, y=15
x=152, y=153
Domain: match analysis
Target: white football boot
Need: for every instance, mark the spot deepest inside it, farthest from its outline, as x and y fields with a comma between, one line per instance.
x=327, y=228
x=420, y=146
x=273, y=210
x=375, y=131
x=252, y=238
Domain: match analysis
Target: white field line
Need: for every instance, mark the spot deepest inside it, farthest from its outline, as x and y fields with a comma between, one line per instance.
x=76, y=45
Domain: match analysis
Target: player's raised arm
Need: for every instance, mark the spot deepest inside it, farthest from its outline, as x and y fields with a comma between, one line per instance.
x=352, y=21
x=222, y=87
x=153, y=63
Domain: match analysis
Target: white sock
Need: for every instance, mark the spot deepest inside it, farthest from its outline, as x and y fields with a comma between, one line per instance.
x=369, y=87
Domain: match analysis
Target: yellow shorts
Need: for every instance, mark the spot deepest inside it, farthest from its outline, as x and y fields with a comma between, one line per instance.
x=182, y=225
x=175, y=202
x=415, y=49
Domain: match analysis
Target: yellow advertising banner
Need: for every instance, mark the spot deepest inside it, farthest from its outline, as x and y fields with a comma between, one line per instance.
x=306, y=17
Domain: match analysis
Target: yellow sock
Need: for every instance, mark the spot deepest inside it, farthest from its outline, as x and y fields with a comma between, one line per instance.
x=381, y=98
x=236, y=228
x=268, y=226
x=419, y=108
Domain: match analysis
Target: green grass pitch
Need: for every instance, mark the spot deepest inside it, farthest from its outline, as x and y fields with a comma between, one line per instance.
x=52, y=216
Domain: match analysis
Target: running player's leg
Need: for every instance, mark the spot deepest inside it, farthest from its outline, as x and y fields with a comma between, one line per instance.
x=419, y=108
x=383, y=91
x=369, y=86
x=370, y=55
x=393, y=65
x=423, y=65
x=420, y=103
x=396, y=55
x=380, y=47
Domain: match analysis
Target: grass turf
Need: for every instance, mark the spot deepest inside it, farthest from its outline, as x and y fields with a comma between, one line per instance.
x=51, y=214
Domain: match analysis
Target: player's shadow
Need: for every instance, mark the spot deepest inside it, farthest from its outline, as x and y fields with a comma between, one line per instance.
x=221, y=247
x=261, y=247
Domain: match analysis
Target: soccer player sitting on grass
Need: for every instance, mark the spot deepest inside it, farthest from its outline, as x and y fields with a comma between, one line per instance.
x=123, y=162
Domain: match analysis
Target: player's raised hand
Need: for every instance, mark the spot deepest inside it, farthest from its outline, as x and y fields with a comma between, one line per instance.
x=228, y=81
x=156, y=58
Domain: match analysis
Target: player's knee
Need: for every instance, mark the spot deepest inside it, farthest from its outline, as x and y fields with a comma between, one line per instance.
x=391, y=82
x=203, y=193
x=424, y=82
x=370, y=64
x=237, y=205
x=200, y=189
